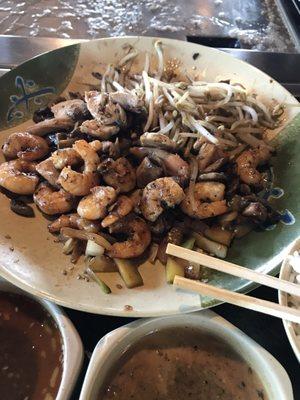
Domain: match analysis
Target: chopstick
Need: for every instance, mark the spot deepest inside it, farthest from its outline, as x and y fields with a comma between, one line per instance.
x=238, y=299
x=233, y=269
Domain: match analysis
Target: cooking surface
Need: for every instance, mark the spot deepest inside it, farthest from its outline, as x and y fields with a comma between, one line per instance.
x=255, y=24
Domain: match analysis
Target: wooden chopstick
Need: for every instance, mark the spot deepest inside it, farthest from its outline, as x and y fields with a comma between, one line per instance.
x=233, y=269
x=238, y=299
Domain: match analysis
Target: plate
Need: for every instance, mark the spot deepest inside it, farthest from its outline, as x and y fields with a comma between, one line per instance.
x=30, y=259
x=292, y=329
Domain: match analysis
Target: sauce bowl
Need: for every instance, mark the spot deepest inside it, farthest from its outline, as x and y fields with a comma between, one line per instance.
x=111, y=347
x=71, y=343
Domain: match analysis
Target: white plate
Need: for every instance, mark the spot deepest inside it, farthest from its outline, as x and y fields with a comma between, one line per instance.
x=36, y=264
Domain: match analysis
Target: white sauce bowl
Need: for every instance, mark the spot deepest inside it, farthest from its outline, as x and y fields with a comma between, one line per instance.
x=71, y=342
x=109, y=349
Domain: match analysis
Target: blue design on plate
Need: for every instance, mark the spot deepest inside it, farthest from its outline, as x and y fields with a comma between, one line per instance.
x=276, y=193
x=287, y=217
x=270, y=227
x=27, y=93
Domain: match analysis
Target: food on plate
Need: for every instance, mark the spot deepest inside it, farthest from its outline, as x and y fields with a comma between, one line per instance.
x=144, y=159
x=31, y=352
x=182, y=364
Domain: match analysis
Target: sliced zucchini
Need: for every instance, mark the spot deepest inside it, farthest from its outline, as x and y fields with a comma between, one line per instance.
x=129, y=273
x=173, y=268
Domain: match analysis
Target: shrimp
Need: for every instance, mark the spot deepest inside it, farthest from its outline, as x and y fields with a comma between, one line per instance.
x=139, y=237
x=121, y=208
x=48, y=171
x=95, y=129
x=51, y=202
x=174, y=165
x=73, y=221
x=75, y=109
x=65, y=157
x=247, y=163
x=159, y=195
x=76, y=183
x=119, y=174
x=18, y=176
x=25, y=146
x=94, y=206
x=207, y=200
x=107, y=147
x=159, y=140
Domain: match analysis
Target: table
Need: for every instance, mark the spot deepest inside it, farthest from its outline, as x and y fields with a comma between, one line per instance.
x=265, y=330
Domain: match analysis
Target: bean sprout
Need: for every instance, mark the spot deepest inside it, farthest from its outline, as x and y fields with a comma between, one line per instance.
x=127, y=58
x=160, y=67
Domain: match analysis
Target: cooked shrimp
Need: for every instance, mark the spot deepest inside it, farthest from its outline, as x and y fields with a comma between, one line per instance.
x=75, y=109
x=207, y=200
x=94, y=206
x=76, y=183
x=50, y=125
x=18, y=176
x=95, y=129
x=73, y=221
x=65, y=157
x=159, y=140
x=121, y=208
x=106, y=147
x=159, y=195
x=119, y=174
x=174, y=165
x=88, y=154
x=137, y=242
x=51, y=202
x=25, y=146
x=247, y=163
x=48, y=171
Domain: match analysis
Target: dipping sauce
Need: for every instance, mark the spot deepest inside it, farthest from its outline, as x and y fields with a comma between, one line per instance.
x=30, y=350
x=179, y=365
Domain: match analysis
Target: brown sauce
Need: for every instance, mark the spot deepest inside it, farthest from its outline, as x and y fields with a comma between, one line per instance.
x=30, y=350
x=184, y=365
